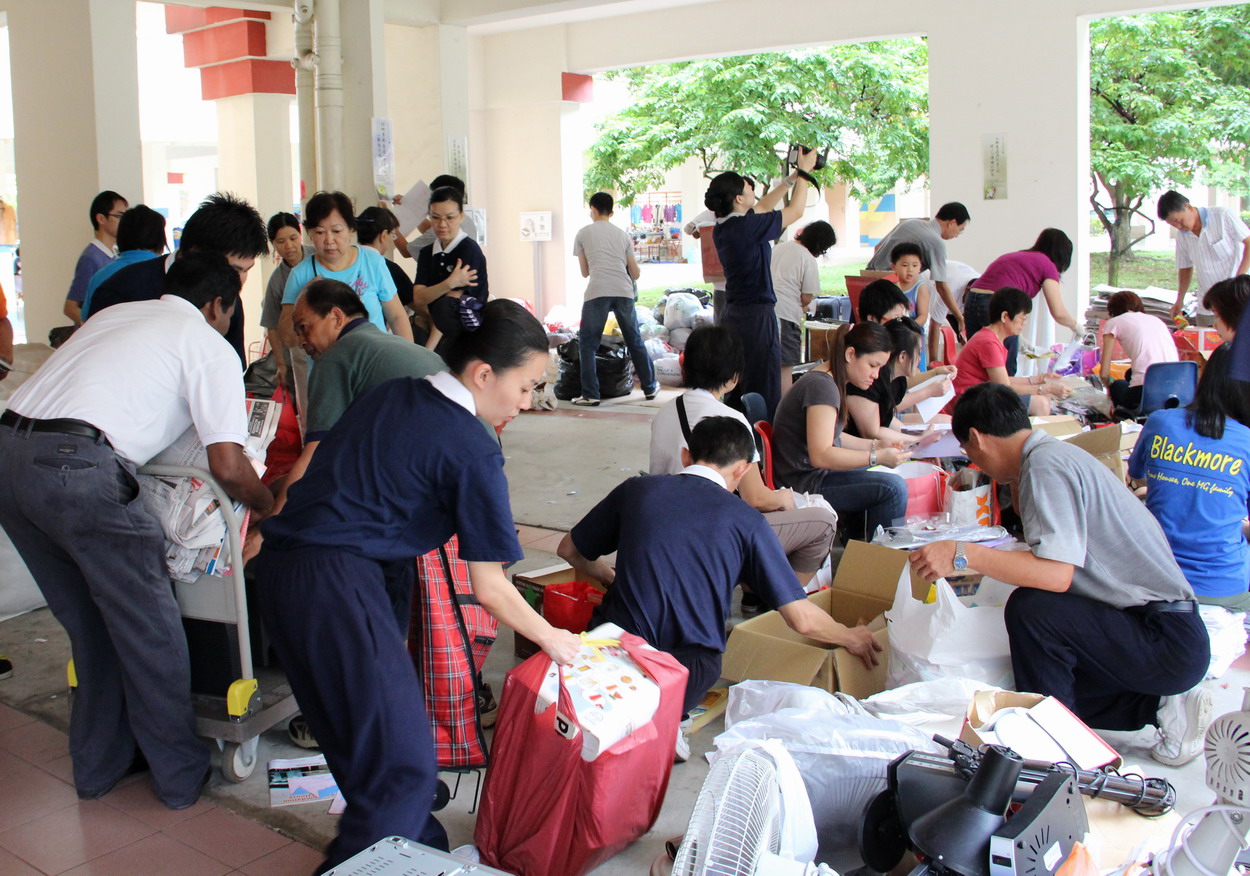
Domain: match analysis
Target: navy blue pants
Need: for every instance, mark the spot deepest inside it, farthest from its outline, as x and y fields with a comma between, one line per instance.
x=72, y=509
x=333, y=625
x=1110, y=666
x=756, y=324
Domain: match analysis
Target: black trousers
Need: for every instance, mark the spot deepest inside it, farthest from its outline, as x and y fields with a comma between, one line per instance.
x=761, y=353
x=1110, y=666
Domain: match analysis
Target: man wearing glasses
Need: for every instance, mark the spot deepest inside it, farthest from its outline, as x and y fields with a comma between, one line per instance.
x=106, y=210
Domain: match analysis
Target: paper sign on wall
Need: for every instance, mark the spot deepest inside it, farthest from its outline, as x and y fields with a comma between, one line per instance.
x=536, y=227
x=383, y=157
x=994, y=156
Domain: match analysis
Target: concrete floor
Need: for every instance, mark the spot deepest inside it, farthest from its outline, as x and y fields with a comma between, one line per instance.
x=559, y=464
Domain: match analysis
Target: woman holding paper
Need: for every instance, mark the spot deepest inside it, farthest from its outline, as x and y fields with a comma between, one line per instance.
x=1036, y=269
x=871, y=413
x=812, y=453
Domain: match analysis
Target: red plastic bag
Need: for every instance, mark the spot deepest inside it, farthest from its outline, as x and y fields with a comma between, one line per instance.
x=570, y=605
x=547, y=812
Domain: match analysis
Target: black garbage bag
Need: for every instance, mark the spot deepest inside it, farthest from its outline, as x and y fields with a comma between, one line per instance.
x=615, y=370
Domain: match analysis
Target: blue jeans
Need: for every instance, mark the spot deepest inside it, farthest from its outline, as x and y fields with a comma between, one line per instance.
x=594, y=317
x=72, y=509
x=876, y=497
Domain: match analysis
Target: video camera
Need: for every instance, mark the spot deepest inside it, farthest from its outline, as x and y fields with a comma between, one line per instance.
x=793, y=156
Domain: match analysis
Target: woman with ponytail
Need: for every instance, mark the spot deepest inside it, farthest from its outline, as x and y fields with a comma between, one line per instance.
x=408, y=465
x=811, y=453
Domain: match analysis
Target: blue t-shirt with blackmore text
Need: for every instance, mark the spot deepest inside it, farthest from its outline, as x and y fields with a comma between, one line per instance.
x=1197, y=488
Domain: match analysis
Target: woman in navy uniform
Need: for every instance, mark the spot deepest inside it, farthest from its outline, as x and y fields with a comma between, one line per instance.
x=407, y=465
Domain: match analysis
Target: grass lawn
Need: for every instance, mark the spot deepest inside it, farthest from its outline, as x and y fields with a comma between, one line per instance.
x=830, y=282
x=1141, y=270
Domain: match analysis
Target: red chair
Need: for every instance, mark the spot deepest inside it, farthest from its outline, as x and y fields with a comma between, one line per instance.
x=950, y=346
x=764, y=429
x=855, y=285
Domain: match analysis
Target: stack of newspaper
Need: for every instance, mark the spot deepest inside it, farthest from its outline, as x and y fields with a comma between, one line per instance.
x=188, y=509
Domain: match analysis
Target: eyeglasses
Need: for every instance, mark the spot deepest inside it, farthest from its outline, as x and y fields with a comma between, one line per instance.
x=114, y=215
x=443, y=220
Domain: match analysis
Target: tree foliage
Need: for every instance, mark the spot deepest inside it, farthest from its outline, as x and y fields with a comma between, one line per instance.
x=866, y=103
x=1169, y=104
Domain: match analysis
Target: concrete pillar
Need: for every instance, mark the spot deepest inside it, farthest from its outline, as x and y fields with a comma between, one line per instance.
x=82, y=73
x=364, y=96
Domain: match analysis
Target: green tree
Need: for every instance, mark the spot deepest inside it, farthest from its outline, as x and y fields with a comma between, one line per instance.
x=1166, y=108
x=866, y=103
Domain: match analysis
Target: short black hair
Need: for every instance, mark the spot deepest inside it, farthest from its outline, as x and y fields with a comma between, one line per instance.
x=446, y=180
x=907, y=248
x=322, y=204
x=508, y=335
x=141, y=227
x=880, y=297
x=1218, y=397
x=602, y=203
x=278, y=221
x=227, y=224
x=712, y=358
x=372, y=221
x=1227, y=299
x=323, y=294
x=1056, y=246
x=991, y=409
x=1011, y=301
x=721, y=442
x=102, y=205
x=1171, y=202
x=443, y=194
x=201, y=276
x=954, y=210
x=818, y=237
x=721, y=192
x=905, y=335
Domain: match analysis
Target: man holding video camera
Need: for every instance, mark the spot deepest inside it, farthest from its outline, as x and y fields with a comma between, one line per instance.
x=745, y=230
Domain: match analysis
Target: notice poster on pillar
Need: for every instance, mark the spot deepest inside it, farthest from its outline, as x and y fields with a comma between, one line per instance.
x=383, y=158
x=994, y=155
x=535, y=227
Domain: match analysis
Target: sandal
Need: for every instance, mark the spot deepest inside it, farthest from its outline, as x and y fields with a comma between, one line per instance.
x=300, y=733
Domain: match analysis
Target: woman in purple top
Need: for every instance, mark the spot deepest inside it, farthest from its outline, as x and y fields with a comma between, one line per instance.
x=1034, y=270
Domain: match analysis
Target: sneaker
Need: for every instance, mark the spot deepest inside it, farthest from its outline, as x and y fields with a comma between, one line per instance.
x=650, y=396
x=487, y=708
x=300, y=733
x=6, y=667
x=583, y=402
x=682, y=753
x=751, y=604
x=1183, y=722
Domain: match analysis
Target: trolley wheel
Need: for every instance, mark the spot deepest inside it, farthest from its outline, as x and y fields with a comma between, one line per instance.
x=238, y=760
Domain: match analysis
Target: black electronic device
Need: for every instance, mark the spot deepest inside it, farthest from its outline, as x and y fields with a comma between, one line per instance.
x=793, y=156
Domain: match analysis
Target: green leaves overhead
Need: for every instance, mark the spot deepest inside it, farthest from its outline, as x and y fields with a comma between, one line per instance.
x=866, y=103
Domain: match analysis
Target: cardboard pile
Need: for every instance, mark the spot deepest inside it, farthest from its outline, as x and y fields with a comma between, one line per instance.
x=863, y=588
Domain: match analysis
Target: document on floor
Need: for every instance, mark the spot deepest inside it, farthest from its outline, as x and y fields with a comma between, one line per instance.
x=931, y=407
x=299, y=780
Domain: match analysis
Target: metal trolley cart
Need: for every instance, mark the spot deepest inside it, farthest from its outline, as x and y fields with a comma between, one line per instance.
x=249, y=707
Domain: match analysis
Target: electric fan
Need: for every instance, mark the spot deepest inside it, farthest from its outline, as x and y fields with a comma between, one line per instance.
x=1211, y=848
x=735, y=829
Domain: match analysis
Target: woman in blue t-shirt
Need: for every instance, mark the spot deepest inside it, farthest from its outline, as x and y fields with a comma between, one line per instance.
x=408, y=465
x=1196, y=463
x=330, y=220
x=451, y=271
x=745, y=230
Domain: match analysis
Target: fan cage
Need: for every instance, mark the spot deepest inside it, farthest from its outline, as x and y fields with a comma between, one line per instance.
x=736, y=818
x=1227, y=749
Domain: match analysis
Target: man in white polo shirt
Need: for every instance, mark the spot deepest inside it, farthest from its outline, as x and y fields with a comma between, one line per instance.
x=124, y=387
x=1212, y=244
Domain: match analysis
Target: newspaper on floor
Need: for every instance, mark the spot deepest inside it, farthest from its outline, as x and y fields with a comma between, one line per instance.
x=188, y=509
x=301, y=780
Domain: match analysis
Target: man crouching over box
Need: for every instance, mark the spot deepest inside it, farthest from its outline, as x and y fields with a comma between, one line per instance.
x=1103, y=619
x=683, y=542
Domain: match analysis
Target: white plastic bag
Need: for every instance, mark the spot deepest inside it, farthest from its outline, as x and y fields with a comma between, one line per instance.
x=923, y=702
x=755, y=697
x=1228, y=636
x=843, y=761
x=946, y=638
x=680, y=309
x=969, y=498
x=668, y=371
x=677, y=338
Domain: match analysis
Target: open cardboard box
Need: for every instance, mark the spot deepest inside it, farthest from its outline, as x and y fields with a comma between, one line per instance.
x=531, y=586
x=1108, y=445
x=1057, y=425
x=863, y=589
x=1086, y=748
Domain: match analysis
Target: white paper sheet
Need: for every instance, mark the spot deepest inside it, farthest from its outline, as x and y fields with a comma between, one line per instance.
x=416, y=203
x=931, y=407
x=947, y=445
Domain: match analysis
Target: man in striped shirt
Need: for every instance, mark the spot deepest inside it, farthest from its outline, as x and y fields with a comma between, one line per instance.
x=1212, y=244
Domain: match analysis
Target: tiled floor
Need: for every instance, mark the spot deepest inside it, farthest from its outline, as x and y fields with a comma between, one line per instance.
x=46, y=829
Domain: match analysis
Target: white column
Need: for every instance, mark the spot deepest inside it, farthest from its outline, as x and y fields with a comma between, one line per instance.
x=364, y=95
x=76, y=124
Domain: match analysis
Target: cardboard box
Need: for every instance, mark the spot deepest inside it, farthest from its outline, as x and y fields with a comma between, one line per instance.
x=1108, y=445
x=1085, y=748
x=863, y=588
x=1058, y=425
x=531, y=585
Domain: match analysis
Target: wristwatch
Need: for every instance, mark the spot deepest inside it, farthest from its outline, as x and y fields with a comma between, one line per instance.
x=961, y=562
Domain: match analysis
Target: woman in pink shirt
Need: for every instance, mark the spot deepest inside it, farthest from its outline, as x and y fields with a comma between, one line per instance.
x=1145, y=340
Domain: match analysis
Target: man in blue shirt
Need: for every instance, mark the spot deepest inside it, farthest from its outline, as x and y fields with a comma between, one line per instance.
x=140, y=237
x=676, y=572
x=106, y=211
